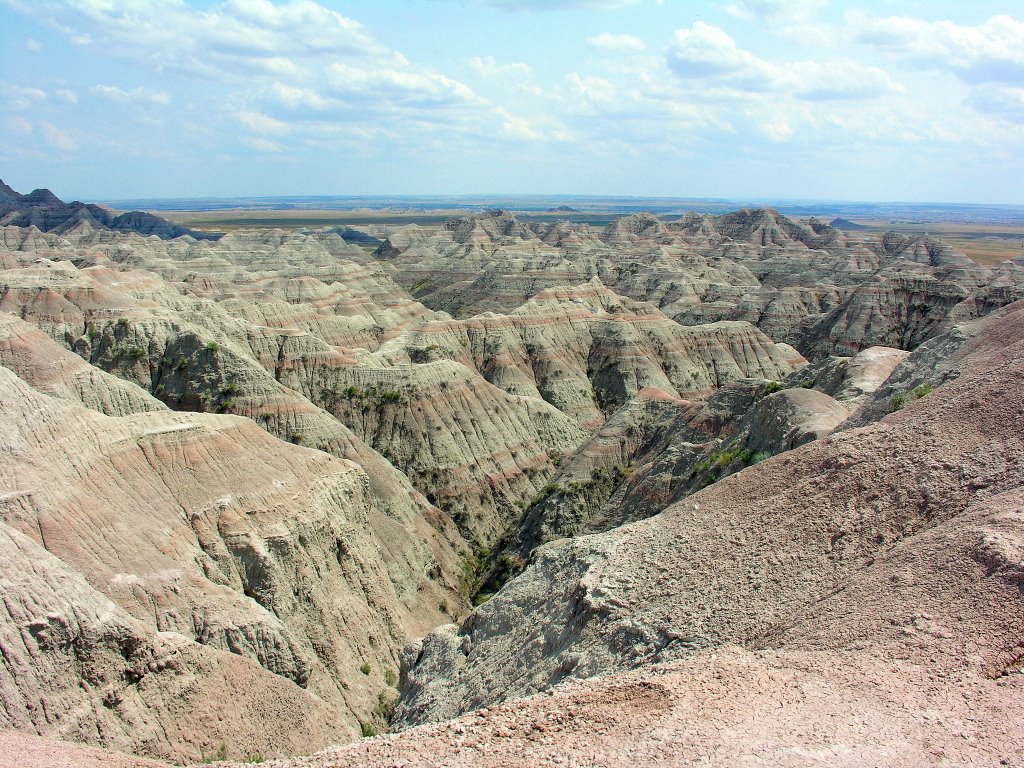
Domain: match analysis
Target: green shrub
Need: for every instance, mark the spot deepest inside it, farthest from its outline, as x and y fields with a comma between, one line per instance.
x=922, y=390
x=182, y=364
x=771, y=388
x=367, y=730
x=365, y=668
x=220, y=755
x=390, y=677
x=213, y=347
x=896, y=402
x=385, y=707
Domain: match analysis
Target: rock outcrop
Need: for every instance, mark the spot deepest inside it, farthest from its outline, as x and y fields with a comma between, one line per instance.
x=238, y=475
x=240, y=544
x=757, y=552
x=45, y=211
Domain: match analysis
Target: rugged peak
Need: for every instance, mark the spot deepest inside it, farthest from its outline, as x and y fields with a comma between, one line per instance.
x=922, y=249
x=632, y=227
x=766, y=226
x=489, y=225
x=8, y=196
x=42, y=197
x=846, y=224
x=47, y=212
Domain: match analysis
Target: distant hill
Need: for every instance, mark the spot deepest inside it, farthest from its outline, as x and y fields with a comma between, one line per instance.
x=563, y=209
x=47, y=212
x=845, y=224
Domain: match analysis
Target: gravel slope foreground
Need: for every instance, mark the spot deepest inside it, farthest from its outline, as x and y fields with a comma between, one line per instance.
x=726, y=708
x=729, y=708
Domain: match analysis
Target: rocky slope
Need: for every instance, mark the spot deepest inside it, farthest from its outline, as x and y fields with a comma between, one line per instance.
x=288, y=330
x=244, y=545
x=804, y=283
x=238, y=475
x=45, y=211
x=752, y=554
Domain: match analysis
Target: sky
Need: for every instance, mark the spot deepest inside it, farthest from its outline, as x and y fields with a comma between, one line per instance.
x=775, y=99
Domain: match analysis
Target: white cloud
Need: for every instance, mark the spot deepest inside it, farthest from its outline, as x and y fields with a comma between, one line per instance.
x=516, y=73
x=777, y=130
x=18, y=125
x=487, y=66
x=225, y=41
x=782, y=12
x=134, y=96
x=990, y=52
x=295, y=97
x=610, y=42
x=260, y=123
x=18, y=98
x=518, y=127
x=593, y=89
x=57, y=138
x=554, y=5
x=66, y=96
x=999, y=101
x=396, y=87
x=261, y=144
x=33, y=45
x=707, y=55
x=261, y=58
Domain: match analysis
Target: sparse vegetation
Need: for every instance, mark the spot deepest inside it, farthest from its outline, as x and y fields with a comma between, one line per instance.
x=472, y=568
x=390, y=677
x=213, y=347
x=367, y=730
x=365, y=667
x=219, y=756
x=385, y=707
x=714, y=465
x=770, y=389
x=900, y=399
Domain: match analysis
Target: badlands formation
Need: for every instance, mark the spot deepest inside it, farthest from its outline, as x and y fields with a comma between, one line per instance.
x=720, y=490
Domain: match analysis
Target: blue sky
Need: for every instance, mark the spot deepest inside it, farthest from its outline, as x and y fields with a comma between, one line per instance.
x=916, y=101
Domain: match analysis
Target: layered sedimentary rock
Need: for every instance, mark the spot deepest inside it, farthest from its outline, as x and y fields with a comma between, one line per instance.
x=283, y=329
x=493, y=383
x=758, y=551
x=208, y=528
x=804, y=283
x=79, y=667
x=45, y=211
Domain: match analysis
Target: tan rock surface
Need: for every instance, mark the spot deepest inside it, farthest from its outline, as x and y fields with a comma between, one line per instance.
x=207, y=527
x=747, y=556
